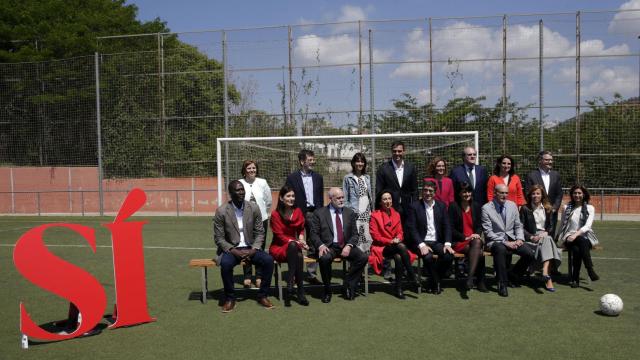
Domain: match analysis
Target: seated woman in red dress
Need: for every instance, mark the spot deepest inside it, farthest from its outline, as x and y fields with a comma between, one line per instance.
x=437, y=171
x=466, y=228
x=386, y=232
x=505, y=173
x=287, y=225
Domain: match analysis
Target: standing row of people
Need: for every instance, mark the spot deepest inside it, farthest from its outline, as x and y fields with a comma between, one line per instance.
x=465, y=212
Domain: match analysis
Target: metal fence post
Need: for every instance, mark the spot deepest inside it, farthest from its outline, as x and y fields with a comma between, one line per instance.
x=99, y=134
x=177, y=204
x=371, y=111
x=577, y=97
x=540, y=92
x=601, y=204
x=504, y=84
x=225, y=102
x=82, y=202
x=38, y=202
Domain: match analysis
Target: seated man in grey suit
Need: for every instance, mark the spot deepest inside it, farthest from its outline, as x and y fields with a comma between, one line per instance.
x=239, y=234
x=503, y=234
x=334, y=233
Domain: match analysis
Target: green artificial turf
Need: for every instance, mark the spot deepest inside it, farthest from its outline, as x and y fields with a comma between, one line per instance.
x=530, y=323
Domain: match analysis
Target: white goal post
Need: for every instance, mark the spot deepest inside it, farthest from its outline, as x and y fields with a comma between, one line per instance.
x=277, y=156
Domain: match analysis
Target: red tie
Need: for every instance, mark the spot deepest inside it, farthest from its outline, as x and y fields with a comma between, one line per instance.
x=339, y=230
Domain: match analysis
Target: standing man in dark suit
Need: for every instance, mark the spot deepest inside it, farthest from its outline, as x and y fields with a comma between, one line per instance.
x=399, y=177
x=239, y=235
x=428, y=224
x=469, y=172
x=334, y=234
x=504, y=234
x=550, y=180
x=308, y=188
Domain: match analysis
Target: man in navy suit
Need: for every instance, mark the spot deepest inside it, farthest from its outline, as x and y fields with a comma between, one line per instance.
x=399, y=177
x=550, y=180
x=307, y=186
x=475, y=175
x=430, y=232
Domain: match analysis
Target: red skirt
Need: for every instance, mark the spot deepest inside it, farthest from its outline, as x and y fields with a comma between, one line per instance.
x=459, y=246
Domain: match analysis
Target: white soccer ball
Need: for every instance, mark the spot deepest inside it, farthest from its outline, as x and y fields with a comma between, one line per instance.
x=611, y=304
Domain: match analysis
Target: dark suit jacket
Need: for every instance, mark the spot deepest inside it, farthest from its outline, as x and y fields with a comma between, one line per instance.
x=322, y=227
x=295, y=181
x=529, y=223
x=417, y=222
x=404, y=195
x=555, y=186
x=225, y=227
x=455, y=217
x=459, y=175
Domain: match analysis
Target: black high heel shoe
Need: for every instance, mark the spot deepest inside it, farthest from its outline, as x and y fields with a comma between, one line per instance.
x=547, y=278
x=287, y=297
x=302, y=300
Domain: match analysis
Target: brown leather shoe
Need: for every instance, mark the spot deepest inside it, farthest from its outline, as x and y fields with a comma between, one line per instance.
x=264, y=301
x=228, y=306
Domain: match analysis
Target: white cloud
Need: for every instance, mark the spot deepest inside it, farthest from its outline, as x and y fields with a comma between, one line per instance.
x=335, y=49
x=352, y=13
x=607, y=81
x=628, y=21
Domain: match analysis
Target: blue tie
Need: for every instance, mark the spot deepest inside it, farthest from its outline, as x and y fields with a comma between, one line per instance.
x=503, y=214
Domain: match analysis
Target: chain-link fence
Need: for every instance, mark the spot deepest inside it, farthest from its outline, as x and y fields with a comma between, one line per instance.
x=565, y=82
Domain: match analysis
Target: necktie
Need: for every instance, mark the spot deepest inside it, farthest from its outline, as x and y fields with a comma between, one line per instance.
x=339, y=230
x=472, y=181
x=503, y=214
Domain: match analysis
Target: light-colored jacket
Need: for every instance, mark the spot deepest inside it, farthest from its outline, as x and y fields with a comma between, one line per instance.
x=261, y=192
x=350, y=188
x=226, y=233
x=495, y=229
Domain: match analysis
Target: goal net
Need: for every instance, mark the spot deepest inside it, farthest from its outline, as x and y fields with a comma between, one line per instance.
x=277, y=157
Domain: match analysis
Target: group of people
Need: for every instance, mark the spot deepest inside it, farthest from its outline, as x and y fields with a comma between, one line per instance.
x=465, y=211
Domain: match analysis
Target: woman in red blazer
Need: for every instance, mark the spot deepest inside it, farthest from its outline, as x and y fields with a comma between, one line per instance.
x=287, y=225
x=466, y=234
x=386, y=232
x=436, y=173
x=505, y=173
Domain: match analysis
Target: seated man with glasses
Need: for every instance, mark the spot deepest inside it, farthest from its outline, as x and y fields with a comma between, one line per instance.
x=469, y=172
x=430, y=233
x=504, y=235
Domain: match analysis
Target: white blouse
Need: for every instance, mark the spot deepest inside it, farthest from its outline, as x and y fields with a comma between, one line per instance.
x=261, y=193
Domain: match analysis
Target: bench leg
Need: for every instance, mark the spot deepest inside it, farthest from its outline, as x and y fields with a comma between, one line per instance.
x=278, y=275
x=570, y=265
x=205, y=285
x=418, y=274
x=366, y=278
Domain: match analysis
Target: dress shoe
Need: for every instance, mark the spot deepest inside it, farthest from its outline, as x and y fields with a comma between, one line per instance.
x=575, y=284
x=287, y=297
x=468, y=285
x=264, y=301
x=514, y=280
x=326, y=298
x=502, y=290
x=399, y=293
x=348, y=293
x=228, y=306
x=302, y=300
x=546, y=279
x=482, y=287
x=592, y=274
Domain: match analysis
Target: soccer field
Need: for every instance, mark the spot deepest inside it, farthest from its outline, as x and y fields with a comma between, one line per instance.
x=531, y=323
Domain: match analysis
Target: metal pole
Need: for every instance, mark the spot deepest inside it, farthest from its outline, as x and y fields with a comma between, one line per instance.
x=360, y=124
x=99, y=134
x=291, y=109
x=504, y=84
x=225, y=102
x=161, y=96
x=541, y=94
x=177, y=204
x=13, y=194
x=601, y=204
x=69, y=189
x=639, y=69
x=82, y=202
x=430, y=64
x=578, y=96
x=371, y=110
x=38, y=202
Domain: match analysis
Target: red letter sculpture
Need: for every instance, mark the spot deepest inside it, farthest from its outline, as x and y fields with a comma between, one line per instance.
x=128, y=263
x=34, y=261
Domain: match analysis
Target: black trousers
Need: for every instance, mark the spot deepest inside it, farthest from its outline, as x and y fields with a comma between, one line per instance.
x=358, y=261
x=500, y=252
x=580, y=251
x=436, y=268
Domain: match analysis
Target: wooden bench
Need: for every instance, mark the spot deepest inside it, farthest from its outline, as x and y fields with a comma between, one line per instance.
x=203, y=264
x=307, y=260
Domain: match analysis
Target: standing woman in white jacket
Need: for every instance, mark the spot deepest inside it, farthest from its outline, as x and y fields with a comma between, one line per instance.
x=256, y=190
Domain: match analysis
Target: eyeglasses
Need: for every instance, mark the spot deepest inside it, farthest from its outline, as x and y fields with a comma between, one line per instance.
x=428, y=190
x=503, y=192
x=471, y=155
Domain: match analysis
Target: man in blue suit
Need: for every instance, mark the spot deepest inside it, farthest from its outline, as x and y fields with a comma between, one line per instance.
x=430, y=232
x=307, y=186
x=469, y=172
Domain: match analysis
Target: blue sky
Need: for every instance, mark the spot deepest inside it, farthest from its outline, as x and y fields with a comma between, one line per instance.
x=610, y=39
